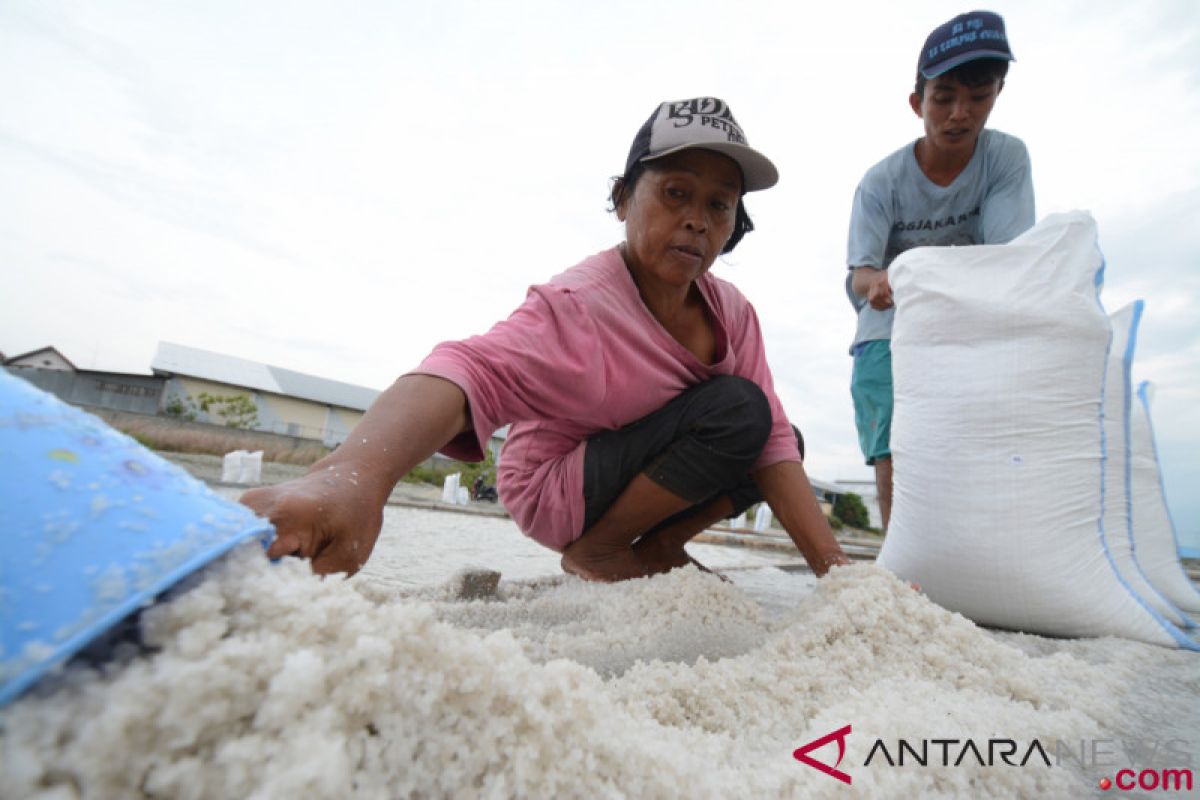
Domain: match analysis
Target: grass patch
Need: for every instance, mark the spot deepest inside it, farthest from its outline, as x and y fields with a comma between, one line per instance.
x=437, y=475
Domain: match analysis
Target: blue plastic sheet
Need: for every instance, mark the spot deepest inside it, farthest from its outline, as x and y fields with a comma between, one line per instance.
x=93, y=526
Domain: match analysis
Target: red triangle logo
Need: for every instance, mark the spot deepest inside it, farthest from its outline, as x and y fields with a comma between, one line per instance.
x=801, y=753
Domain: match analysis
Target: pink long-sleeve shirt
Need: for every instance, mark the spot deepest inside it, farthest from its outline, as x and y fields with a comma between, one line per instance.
x=582, y=355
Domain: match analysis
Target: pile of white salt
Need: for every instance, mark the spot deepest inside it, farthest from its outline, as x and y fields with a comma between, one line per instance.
x=264, y=681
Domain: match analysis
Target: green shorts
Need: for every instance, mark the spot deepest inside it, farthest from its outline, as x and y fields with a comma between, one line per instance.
x=871, y=388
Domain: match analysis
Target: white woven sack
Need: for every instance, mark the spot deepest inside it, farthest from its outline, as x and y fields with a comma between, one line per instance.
x=1116, y=526
x=1155, y=542
x=231, y=466
x=998, y=361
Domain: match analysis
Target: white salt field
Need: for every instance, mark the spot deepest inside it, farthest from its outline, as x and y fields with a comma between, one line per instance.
x=264, y=681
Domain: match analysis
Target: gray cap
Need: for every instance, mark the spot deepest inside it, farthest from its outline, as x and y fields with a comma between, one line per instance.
x=705, y=123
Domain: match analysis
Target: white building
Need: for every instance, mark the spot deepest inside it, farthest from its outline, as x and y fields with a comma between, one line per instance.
x=284, y=401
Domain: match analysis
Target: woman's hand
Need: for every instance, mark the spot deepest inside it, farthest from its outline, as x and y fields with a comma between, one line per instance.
x=333, y=514
x=838, y=559
x=328, y=516
x=787, y=491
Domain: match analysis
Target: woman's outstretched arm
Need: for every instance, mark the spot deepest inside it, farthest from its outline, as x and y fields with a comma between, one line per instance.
x=787, y=491
x=334, y=512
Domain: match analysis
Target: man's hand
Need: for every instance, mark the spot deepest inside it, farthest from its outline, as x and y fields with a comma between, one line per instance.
x=873, y=284
x=323, y=516
x=879, y=295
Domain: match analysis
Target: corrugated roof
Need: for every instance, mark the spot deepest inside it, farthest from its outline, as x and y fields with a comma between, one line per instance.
x=193, y=362
x=11, y=360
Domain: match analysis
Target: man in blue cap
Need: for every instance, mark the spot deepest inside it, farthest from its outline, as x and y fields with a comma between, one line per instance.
x=959, y=183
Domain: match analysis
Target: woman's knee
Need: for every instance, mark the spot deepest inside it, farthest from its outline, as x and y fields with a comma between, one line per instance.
x=740, y=408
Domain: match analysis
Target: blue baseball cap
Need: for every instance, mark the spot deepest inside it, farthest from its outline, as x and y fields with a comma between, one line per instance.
x=976, y=34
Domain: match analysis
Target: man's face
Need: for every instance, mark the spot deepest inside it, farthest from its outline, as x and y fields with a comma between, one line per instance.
x=954, y=113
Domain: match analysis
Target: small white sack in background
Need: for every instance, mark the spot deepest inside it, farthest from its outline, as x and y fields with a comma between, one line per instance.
x=762, y=518
x=738, y=522
x=1153, y=529
x=998, y=362
x=231, y=466
x=462, y=497
x=450, y=488
x=251, y=467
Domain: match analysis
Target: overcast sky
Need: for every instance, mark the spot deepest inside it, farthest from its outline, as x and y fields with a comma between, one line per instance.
x=336, y=187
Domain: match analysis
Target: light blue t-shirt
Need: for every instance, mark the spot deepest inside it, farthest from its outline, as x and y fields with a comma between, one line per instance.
x=896, y=207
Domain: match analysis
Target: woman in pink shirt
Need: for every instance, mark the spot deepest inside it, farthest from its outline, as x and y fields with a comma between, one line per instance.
x=642, y=407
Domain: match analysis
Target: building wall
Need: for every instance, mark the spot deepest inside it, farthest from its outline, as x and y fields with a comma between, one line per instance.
x=180, y=385
x=291, y=449
x=292, y=416
x=137, y=393
x=151, y=394
x=339, y=423
x=286, y=416
x=187, y=389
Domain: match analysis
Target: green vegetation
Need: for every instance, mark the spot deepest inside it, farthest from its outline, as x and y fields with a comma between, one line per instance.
x=231, y=410
x=850, y=510
x=470, y=470
x=234, y=410
x=181, y=408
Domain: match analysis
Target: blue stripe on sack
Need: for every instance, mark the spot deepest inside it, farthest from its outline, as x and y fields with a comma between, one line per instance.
x=1175, y=633
x=1127, y=399
x=1181, y=551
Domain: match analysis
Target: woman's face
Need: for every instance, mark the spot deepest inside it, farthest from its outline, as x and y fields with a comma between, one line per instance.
x=680, y=215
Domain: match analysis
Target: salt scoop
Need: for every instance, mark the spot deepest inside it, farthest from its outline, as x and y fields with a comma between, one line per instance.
x=93, y=526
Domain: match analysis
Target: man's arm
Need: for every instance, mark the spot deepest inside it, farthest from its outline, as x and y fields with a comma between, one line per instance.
x=1008, y=207
x=870, y=222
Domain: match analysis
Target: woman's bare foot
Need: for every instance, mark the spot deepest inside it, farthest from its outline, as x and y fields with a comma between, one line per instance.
x=613, y=550
x=606, y=566
x=664, y=556
x=660, y=555
x=646, y=557
x=637, y=562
